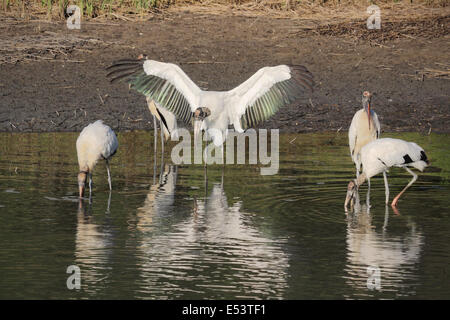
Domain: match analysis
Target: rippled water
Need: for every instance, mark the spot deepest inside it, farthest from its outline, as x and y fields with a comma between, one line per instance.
x=234, y=234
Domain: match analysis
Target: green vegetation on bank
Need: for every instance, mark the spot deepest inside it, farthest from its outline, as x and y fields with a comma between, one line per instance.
x=95, y=8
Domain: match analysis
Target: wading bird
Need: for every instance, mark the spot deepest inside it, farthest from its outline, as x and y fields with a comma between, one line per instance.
x=167, y=123
x=254, y=101
x=380, y=155
x=167, y=120
x=96, y=141
x=365, y=127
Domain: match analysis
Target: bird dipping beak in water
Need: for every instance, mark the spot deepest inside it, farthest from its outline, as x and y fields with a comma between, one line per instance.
x=352, y=189
x=199, y=116
x=82, y=177
x=367, y=97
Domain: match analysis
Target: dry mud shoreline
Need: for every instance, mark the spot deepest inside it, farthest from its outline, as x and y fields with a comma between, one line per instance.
x=54, y=79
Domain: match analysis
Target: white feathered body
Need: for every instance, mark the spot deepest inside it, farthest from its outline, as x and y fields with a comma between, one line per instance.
x=254, y=101
x=96, y=141
x=227, y=107
x=359, y=133
x=381, y=154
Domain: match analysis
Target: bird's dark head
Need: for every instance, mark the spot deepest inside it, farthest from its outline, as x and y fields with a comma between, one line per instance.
x=366, y=101
x=82, y=177
x=201, y=113
x=142, y=56
x=199, y=116
x=352, y=190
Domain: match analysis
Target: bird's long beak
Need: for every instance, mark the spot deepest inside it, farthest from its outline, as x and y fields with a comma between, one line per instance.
x=81, y=188
x=368, y=113
x=348, y=198
x=197, y=128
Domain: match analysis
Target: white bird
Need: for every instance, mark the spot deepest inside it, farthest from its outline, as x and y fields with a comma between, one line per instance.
x=365, y=127
x=96, y=141
x=167, y=123
x=167, y=120
x=380, y=155
x=254, y=101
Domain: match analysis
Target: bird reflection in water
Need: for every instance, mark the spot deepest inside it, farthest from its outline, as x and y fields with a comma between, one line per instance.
x=160, y=197
x=93, y=246
x=204, y=244
x=396, y=256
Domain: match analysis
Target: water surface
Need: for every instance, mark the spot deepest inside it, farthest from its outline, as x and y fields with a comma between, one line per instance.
x=174, y=233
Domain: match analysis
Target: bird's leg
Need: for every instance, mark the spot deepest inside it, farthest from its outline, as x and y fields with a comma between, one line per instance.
x=205, y=155
x=386, y=218
x=90, y=186
x=162, y=137
x=155, y=138
x=109, y=174
x=223, y=159
x=221, y=181
x=356, y=203
x=368, y=193
x=394, y=202
x=386, y=186
x=162, y=168
x=109, y=202
x=154, y=169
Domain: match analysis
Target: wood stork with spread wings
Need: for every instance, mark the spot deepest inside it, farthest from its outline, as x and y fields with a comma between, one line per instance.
x=96, y=141
x=380, y=155
x=254, y=101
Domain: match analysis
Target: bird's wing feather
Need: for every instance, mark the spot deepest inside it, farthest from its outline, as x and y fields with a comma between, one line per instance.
x=352, y=136
x=377, y=124
x=391, y=152
x=163, y=82
x=264, y=93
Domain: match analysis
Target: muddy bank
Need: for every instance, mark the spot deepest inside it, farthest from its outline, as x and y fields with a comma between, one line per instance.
x=54, y=79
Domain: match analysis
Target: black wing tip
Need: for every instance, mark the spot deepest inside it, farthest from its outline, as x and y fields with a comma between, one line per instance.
x=424, y=157
x=128, y=62
x=302, y=76
x=123, y=68
x=407, y=159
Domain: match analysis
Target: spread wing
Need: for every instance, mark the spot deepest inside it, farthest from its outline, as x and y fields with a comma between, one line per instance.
x=165, y=83
x=264, y=93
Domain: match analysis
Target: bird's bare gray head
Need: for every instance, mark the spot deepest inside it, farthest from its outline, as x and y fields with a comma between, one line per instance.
x=366, y=101
x=199, y=116
x=142, y=56
x=352, y=190
x=82, y=177
x=201, y=113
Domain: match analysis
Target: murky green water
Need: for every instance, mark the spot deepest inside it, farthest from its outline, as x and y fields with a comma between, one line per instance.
x=236, y=235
